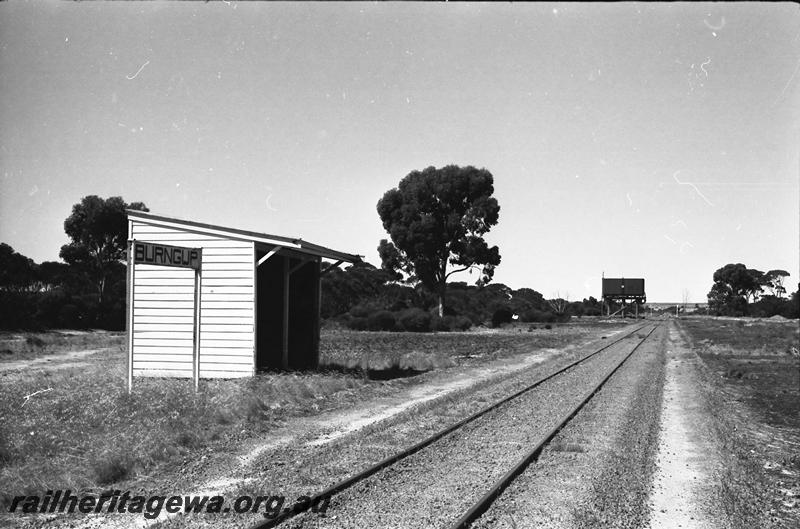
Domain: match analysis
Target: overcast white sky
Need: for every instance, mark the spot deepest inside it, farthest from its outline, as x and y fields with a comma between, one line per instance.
x=644, y=140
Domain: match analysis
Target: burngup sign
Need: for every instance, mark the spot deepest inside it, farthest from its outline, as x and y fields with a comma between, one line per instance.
x=165, y=255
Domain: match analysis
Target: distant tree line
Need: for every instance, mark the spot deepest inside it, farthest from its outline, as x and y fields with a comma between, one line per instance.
x=364, y=297
x=87, y=289
x=742, y=291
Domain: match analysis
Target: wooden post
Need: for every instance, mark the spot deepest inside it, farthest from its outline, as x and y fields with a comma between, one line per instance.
x=196, y=329
x=637, y=309
x=318, y=301
x=255, y=312
x=285, y=344
x=129, y=306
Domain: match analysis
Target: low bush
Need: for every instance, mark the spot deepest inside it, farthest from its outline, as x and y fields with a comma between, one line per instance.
x=501, y=316
x=537, y=316
x=364, y=310
x=461, y=323
x=382, y=320
x=415, y=320
x=441, y=324
x=356, y=323
x=111, y=468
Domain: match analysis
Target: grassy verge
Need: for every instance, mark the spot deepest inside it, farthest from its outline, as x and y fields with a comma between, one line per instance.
x=25, y=346
x=85, y=431
x=752, y=383
x=739, y=486
x=423, y=351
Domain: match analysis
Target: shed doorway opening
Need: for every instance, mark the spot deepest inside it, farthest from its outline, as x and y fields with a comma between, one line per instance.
x=287, y=310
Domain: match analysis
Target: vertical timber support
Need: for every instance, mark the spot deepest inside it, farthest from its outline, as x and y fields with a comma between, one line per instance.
x=129, y=308
x=285, y=334
x=318, y=312
x=196, y=329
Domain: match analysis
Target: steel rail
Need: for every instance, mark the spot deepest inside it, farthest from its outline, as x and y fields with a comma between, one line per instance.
x=301, y=507
x=500, y=485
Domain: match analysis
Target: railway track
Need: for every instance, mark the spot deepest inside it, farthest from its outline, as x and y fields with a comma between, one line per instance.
x=478, y=428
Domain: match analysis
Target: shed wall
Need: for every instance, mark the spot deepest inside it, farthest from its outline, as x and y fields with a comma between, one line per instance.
x=620, y=287
x=163, y=300
x=634, y=287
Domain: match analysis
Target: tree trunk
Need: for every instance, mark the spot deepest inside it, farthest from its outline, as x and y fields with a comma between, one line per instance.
x=100, y=290
x=442, y=288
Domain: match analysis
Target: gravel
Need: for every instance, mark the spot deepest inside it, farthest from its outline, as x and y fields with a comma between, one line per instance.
x=598, y=471
x=435, y=486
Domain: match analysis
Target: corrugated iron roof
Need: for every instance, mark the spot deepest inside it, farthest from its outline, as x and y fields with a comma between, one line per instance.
x=294, y=243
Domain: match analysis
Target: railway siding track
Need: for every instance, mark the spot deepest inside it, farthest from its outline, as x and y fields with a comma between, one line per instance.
x=437, y=480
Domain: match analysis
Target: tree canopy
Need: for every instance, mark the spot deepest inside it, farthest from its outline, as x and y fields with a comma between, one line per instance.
x=436, y=219
x=773, y=280
x=99, y=232
x=17, y=272
x=734, y=284
x=738, y=279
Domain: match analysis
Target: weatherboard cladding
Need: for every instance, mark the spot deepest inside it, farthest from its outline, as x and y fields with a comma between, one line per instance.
x=163, y=301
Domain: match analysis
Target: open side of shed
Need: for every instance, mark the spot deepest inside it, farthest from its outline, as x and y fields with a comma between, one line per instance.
x=256, y=306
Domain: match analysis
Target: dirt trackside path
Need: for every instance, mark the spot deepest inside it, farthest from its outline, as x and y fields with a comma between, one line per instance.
x=686, y=455
x=56, y=361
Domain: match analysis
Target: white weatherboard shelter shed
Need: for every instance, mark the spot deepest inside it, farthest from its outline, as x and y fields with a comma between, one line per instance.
x=251, y=302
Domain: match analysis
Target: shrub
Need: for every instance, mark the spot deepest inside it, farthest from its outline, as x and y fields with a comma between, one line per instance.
x=397, y=306
x=188, y=439
x=383, y=320
x=501, y=316
x=537, y=316
x=548, y=326
x=769, y=306
x=415, y=320
x=563, y=317
x=440, y=324
x=35, y=341
x=111, y=468
x=461, y=323
x=17, y=310
x=357, y=323
x=362, y=311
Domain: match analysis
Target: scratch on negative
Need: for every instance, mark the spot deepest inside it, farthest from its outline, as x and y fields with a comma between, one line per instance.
x=129, y=78
x=797, y=66
x=675, y=176
x=708, y=61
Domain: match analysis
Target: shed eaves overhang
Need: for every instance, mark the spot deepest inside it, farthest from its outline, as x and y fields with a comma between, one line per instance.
x=291, y=243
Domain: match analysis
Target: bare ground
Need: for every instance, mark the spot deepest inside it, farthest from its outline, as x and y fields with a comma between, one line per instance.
x=686, y=453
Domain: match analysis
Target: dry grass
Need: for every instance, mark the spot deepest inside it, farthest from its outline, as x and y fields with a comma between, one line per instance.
x=24, y=346
x=87, y=432
x=753, y=388
x=425, y=351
